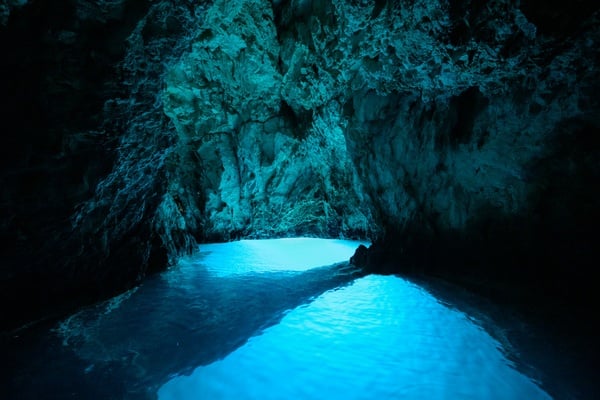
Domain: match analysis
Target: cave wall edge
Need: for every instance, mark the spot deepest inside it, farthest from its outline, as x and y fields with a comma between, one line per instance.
x=86, y=154
x=501, y=196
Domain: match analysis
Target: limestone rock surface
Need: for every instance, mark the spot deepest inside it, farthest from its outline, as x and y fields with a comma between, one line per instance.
x=271, y=154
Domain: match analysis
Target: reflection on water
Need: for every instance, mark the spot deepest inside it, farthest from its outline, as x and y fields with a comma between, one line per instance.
x=191, y=315
x=380, y=338
x=241, y=321
x=257, y=256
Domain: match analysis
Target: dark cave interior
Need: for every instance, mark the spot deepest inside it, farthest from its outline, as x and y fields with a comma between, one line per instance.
x=463, y=139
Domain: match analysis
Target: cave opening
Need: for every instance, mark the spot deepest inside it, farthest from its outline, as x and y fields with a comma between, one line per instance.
x=191, y=186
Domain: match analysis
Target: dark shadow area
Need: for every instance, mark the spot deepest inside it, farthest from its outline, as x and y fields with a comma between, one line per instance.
x=558, y=18
x=170, y=325
x=534, y=347
x=545, y=277
x=465, y=109
x=70, y=94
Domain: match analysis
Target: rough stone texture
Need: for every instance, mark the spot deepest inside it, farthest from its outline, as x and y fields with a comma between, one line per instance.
x=83, y=159
x=484, y=171
x=440, y=126
x=471, y=132
x=270, y=151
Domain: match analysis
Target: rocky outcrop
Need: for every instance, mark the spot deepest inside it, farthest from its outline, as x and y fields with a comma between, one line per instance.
x=83, y=161
x=483, y=172
x=267, y=143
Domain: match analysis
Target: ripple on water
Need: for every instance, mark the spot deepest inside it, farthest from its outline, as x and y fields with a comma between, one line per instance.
x=381, y=337
x=255, y=320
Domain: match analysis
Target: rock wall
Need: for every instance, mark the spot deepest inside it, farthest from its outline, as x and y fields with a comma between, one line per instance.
x=268, y=147
x=466, y=133
x=85, y=146
x=481, y=154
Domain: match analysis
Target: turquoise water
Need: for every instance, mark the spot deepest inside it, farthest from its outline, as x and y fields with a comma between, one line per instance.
x=379, y=338
x=268, y=255
x=269, y=319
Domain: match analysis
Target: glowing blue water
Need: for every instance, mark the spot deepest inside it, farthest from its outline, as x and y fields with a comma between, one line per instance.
x=263, y=320
x=271, y=255
x=380, y=338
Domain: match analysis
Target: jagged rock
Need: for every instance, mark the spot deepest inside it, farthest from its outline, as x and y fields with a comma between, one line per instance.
x=82, y=163
x=464, y=167
x=272, y=153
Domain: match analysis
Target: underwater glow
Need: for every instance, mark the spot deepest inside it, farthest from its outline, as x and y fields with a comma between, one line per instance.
x=379, y=338
x=269, y=255
x=259, y=320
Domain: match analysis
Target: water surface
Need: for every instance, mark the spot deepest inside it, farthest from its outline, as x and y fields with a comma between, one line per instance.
x=268, y=319
x=379, y=338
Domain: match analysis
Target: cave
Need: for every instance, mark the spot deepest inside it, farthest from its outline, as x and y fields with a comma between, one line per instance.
x=164, y=159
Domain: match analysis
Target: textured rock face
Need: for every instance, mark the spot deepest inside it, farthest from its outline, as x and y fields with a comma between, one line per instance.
x=83, y=161
x=476, y=134
x=446, y=110
x=460, y=128
x=464, y=136
x=481, y=153
x=470, y=131
x=269, y=150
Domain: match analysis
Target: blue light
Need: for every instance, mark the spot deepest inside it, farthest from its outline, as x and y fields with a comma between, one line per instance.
x=260, y=320
x=380, y=338
x=270, y=255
